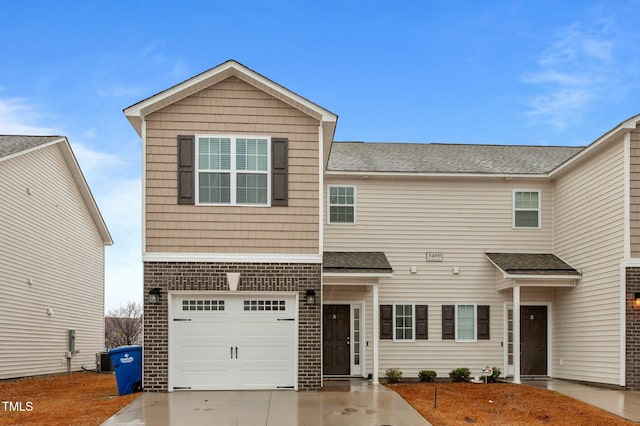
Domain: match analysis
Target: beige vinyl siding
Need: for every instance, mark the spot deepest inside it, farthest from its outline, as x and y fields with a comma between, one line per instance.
x=47, y=236
x=589, y=235
x=635, y=193
x=231, y=107
x=463, y=219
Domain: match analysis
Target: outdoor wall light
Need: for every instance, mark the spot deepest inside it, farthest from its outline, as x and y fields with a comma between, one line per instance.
x=154, y=296
x=311, y=297
x=636, y=300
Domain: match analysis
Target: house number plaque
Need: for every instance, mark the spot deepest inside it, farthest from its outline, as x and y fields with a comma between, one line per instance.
x=435, y=256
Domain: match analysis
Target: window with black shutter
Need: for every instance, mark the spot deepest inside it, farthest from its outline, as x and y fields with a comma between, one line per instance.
x=422, y=329
x=386, y=322
x=483, y=322
x=448, y=322
x=186, y=158
x=279, y=172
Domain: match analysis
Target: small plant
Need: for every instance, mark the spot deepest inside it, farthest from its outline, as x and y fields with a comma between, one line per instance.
x=493, y=378
x=427, y=375
x=393, y=375
x=460, y=374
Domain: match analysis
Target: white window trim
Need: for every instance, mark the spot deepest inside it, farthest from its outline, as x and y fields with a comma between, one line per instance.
x=355, y=203
x=539, y=209
x=232, y=171
x=475, y=322
x=413, y=326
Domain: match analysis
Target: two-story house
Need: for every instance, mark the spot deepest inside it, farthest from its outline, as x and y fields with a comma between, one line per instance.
x=274, y=257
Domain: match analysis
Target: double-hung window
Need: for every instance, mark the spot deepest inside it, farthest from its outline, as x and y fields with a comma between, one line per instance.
x=526, y=209
x=403, y=328
x=466, y=322
x=342, y=204
x=233, y=170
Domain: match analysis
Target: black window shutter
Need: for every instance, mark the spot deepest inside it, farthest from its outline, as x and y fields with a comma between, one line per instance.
x=279, y=172
x=483, y=322
x=422, y=331
x=186, y=159
x=386, y=322
x=448, y=322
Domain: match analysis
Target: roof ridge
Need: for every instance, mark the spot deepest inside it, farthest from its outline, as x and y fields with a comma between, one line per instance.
x=460, y=144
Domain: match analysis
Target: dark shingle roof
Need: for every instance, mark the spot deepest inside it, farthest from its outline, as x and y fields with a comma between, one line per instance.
x=447, y=158
x=531, y=264
x=355, y=262
x=11, y=144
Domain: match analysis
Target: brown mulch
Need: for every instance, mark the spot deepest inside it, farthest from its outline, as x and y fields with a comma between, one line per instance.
x=500, y=404
x=79, y=398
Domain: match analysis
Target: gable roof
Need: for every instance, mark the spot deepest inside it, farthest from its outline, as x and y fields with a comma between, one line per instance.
x=531, y=264
x=447, y=158
x=11, y=145
x=136, y=112
x=14, y=145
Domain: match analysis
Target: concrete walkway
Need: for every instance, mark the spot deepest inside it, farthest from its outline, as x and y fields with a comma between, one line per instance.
x=619, y=402
x=352, y=403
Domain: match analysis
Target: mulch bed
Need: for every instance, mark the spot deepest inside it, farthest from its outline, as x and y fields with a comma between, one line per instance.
x=500, y=404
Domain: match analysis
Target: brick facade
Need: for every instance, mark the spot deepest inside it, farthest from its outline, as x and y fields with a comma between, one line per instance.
x=202, y=276
x=632, y=374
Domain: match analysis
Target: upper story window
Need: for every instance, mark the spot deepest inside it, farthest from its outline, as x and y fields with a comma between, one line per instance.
x=233, y=170
x=526, y=209
x=342, y=204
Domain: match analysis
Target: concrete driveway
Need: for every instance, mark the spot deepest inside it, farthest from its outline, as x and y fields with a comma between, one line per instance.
x=341, y=403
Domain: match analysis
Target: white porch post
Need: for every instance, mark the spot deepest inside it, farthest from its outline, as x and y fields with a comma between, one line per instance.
x=516, y=334
x=376, y=333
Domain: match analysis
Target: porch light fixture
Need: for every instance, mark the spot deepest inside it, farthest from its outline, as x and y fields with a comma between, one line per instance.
x=154, y=296
x=311, y=297
x=636, y=300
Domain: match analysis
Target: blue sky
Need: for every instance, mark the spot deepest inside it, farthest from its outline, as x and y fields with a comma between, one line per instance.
x=500, y=72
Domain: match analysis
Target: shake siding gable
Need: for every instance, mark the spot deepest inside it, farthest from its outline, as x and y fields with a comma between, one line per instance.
x=589, y=235
x=232, y=107
x=49, y=237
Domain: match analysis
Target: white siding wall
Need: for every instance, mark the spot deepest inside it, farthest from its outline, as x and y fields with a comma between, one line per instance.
x=589, y=235
x=47, y=236
x=464, y=219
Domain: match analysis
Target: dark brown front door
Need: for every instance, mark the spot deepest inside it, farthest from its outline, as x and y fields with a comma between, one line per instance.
x=335, y=340
x=533, y=340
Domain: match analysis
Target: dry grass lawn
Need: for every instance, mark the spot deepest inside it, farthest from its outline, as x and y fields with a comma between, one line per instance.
x=74, y=399
x=501, y=404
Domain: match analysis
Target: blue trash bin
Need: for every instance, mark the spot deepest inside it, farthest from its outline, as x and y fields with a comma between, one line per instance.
x=127, y=363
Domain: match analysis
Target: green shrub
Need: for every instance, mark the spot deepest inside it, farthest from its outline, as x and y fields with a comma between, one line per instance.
x=427, y=375
x=393, y=375
x=460, y=374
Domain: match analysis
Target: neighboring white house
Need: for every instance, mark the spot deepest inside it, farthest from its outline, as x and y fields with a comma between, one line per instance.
x=52, y=240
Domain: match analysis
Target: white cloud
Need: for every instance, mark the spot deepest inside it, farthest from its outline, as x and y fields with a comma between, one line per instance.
x=19, y=117
x=577, y=70
x=95, y=162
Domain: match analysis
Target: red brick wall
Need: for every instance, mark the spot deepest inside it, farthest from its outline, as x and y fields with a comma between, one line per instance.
x=198, y=276
x=633, y=331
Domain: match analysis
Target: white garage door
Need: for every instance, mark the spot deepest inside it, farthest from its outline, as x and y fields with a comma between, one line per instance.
x=233, y=342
